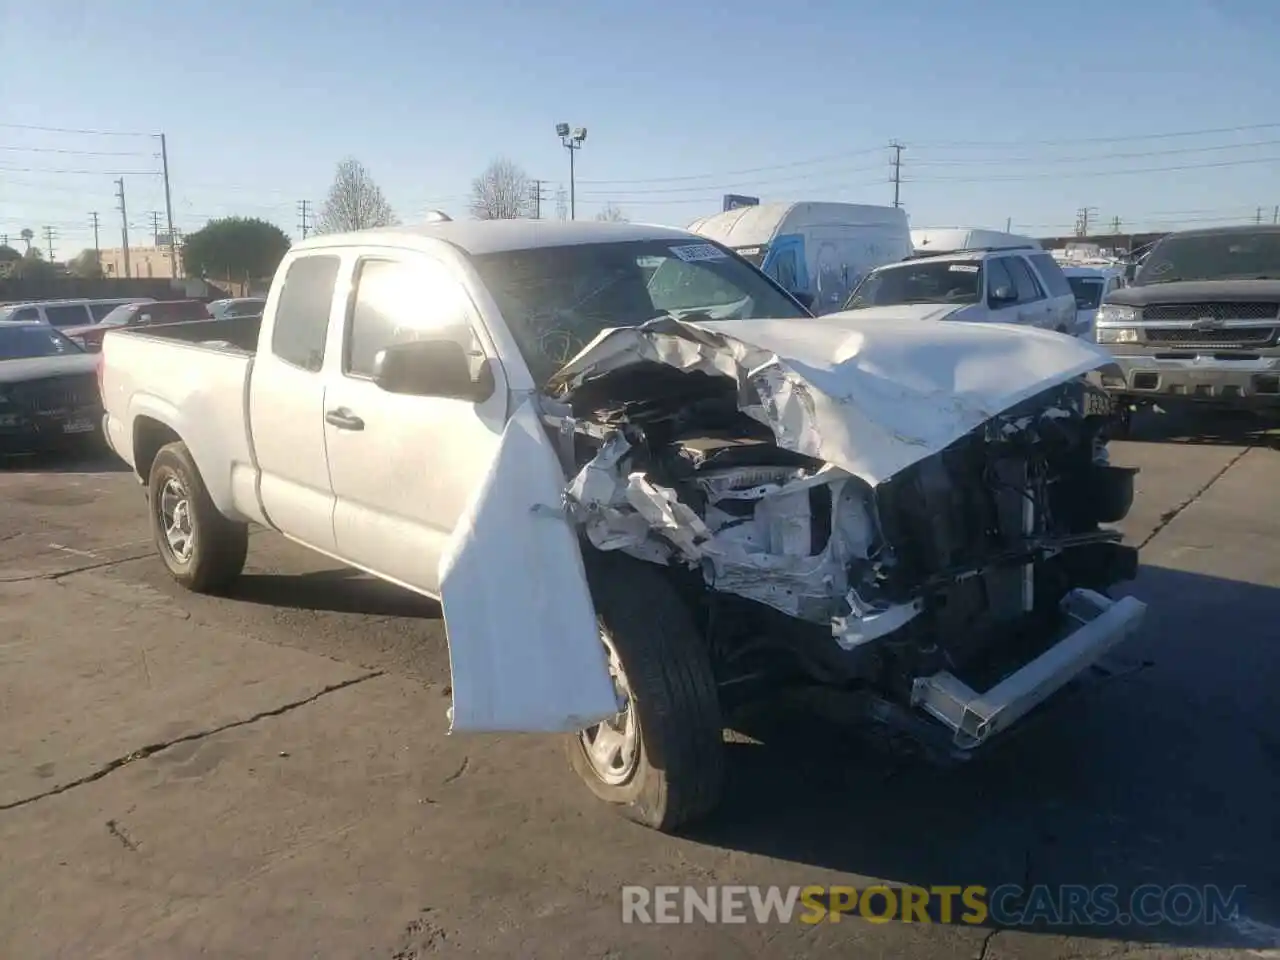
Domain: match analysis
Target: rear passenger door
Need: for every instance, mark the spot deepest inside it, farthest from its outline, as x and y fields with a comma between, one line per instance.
x=286, y=400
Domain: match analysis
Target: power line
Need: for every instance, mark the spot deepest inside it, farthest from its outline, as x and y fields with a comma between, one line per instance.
x=1113, y=139
x=740, y=185
x=829, y=158
x=93, y=173
x=1057, y=175
x=79, y=153
x=1104, y=156
x=87, y=133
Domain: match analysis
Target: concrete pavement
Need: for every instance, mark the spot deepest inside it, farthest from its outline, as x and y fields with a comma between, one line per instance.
x=268, y=775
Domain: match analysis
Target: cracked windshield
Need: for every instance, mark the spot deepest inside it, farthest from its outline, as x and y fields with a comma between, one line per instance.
x=547, y=481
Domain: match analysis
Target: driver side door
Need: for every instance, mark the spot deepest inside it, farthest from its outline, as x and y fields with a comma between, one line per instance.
x=403, y=467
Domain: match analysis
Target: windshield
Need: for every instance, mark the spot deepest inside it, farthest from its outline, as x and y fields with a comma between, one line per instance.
x=242, y=308
x=1088, y=291
x=1242, y=255
x=556, y=300
x=33, y=340
x=926, y=281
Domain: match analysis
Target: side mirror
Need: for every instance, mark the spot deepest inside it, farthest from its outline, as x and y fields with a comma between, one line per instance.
x=1004, y=294
x=431, y=368
x=804, y=299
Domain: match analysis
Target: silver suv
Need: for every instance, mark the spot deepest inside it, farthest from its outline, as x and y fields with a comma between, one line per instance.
x=1019, y=285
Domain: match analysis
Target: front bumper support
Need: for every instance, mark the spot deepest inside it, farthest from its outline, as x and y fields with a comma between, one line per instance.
x=1096, y=624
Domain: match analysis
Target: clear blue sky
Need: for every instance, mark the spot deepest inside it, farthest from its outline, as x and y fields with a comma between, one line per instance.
x=1005, y=106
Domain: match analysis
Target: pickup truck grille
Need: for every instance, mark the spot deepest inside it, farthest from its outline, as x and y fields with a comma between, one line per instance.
x=56, y=393
x=1247, y=310
x=1226, y=337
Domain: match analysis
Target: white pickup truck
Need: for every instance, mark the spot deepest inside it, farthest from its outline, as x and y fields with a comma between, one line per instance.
x=644, y=482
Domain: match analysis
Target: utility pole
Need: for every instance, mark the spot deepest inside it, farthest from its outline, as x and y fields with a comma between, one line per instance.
x=1008, y=224
x=155, y=227
x=1115, y=226
x=124, y=225
x=1275, y=213
x=304, y=224
x=97, y=250
x=168, y=208
x=48, y=243
x=897, y=149
x=1258, y=216
x=537, y=195
x=1082, y=220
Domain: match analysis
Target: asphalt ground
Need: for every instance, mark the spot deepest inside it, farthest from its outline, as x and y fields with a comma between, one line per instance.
x=268, y=774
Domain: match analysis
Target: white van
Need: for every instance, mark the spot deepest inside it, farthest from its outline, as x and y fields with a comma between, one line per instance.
x=66, y=313
x=950, y=239
x=817, y=251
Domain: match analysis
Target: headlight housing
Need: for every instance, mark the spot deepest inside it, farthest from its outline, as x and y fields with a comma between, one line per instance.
x=1116, y=313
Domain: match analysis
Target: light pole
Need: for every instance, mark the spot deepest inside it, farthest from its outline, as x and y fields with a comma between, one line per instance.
x=572, y=141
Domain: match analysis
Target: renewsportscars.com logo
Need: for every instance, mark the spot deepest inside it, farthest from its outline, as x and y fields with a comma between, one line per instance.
x=1009, y=905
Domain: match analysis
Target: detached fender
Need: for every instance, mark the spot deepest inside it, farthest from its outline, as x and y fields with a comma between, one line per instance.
x=524, y=648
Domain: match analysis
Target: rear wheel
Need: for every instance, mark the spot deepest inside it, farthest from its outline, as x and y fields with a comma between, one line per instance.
x=661, y=758
x=203, y=550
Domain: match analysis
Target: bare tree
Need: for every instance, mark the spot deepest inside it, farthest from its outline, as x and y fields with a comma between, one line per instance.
x=501, y=192
x=612, y=213
x=562, y=203
x=355, y=202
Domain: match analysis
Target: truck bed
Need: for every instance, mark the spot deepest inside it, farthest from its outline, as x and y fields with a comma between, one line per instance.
x=193, y=377
x=238, y=334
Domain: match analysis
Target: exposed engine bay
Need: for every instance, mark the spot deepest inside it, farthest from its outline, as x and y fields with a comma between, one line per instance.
x=964, y=555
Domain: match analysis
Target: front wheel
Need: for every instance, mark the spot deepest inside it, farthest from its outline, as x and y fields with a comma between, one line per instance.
x=661, y=758
x=203, y=550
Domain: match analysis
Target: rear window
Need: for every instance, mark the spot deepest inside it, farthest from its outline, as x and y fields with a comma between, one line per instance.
x=302, y=312
x=1051, y=275
x=175, y=311
x=99, y=310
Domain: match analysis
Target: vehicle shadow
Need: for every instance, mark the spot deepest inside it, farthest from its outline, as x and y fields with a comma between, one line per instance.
x=1205, y=427
x=338, y=590
x=1167, y=772
x=88, y=459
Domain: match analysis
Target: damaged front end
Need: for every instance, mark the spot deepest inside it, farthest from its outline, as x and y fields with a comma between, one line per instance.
x=831, y=523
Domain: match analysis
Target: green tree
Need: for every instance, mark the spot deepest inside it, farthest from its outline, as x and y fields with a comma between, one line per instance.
x=8, y=257
x=32, y=266
x=234, y=248
x=85, y=264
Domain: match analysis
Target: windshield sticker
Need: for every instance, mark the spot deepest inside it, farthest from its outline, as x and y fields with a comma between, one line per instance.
x=748, y=251
x=963, y=268
x=699, y=251
x=1158, y=269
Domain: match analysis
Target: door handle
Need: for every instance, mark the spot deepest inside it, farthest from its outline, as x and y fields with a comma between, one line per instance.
x=343, y=419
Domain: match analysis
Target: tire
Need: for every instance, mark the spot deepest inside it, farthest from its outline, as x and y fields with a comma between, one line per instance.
x=677, y=772
x=215, y=548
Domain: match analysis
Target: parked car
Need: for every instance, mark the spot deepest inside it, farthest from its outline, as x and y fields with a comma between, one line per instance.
x=139, y=315
x=66, y=313
x=817, y=251
x=627, y=519
x=48, y=388
x=237, y=307
x=1021, y=285
x=1201, y=321
x=1091, y=284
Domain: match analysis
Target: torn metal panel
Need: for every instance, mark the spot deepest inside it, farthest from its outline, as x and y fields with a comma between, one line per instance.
x=870, y=396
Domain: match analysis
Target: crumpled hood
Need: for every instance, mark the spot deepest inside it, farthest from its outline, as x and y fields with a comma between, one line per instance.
x=866, y=394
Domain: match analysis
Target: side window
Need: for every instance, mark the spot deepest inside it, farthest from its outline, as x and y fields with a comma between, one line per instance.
x=1051, y=276
x=302, y=312
x=67, y=315
x=395, y=302
x=26, y=313
x=100, y=310
x=997, y=277
x=1028, y=288
x=784, y=270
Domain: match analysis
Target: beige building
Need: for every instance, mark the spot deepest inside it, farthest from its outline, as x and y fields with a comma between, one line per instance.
x=144, y=262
